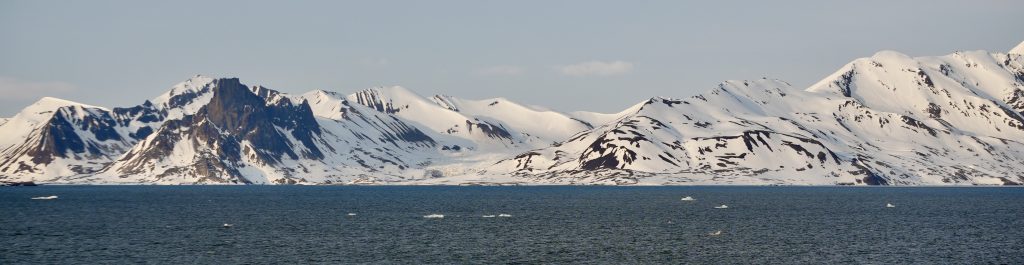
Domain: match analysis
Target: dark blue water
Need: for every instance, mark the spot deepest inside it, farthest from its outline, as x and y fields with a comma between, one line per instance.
x=288, y=225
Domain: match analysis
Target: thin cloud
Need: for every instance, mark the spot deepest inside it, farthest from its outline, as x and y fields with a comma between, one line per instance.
x=597, y=68
x=16, y=90
x=376, y=62
x=501, y=70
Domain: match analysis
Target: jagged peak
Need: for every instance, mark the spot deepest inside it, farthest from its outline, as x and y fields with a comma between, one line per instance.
x=386, y=99
x=194, y=84
x=656, y=99
x=389, y=92
x=228, y=81
x=320, y=93
x=274, y=96
x=1019, y=49
x=233, y=86
x=257, y=89
x=197, y=81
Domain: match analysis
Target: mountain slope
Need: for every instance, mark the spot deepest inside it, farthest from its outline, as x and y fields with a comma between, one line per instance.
x=887, y=119
x=434, y=137
x=494, y=125
x=1019, y=49
x=237, y=137
x=54, y=139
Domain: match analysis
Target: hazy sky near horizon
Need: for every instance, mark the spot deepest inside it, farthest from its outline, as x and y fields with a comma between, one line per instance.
x=566, y=55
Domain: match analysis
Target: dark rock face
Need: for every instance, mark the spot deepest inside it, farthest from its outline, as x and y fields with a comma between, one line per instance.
x=398, y=131
x=72, y=132
x=845, y=83
x=394, y=129
x=372, y=98
x=1016, y=101
x=60, y=135
x=917, y=124
x=183, y=99
x=874, y=180
x=145, y=113
x=492, y=131
x=102, y=126
x=233, y=117
x=141, y=133
x=613, y=150
x=58, y=138
x=265, y=93
x=238, y=112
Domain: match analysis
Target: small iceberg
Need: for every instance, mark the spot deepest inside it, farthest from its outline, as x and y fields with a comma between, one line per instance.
x=488, y=216
x=434, y=216
x=228, y=225
x=51, y=197
x=351, y=214
x=715, y=233
x=504, y=215
x=723, y=206
x=890, y=205
x=687, y=198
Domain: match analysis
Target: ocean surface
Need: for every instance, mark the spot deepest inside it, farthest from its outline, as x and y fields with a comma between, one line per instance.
x=561, y=224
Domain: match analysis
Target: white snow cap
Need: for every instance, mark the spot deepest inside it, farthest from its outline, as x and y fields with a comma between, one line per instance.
x=1019, y=49
x=47, y=105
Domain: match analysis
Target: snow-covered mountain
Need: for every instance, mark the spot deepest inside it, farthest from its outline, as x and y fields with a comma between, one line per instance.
x=55, y=138
x=888, y=119
x=491, y=125
x=208, y=130
x=1018, y=50
x=236, y=137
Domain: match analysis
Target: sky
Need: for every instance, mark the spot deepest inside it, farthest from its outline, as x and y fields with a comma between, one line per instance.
x=565, y=55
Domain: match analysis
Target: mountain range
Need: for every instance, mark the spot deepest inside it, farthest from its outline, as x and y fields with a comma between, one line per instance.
x=888, y=119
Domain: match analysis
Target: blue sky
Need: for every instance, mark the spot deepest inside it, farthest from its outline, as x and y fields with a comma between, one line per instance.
x=566, y=55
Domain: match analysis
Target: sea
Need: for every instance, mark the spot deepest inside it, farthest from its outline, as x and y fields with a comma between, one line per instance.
x=530, y=225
